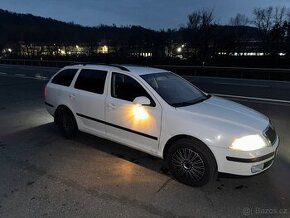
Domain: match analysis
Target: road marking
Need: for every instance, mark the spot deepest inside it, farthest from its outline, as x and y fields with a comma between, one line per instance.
x=43, y=78
x=40, y=77
x=241, y=84
x=253, y=98
x=18, y=74
x=29, y=67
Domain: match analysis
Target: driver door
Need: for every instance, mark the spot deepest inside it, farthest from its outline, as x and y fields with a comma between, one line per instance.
x=134, y=125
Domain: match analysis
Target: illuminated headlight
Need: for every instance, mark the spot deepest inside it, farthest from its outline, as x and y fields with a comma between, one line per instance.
x=248, y=143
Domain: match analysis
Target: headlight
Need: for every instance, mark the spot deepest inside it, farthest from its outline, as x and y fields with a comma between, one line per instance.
x=248, y=143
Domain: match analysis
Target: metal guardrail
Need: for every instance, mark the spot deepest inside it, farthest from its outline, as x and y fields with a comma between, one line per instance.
x=210, y=71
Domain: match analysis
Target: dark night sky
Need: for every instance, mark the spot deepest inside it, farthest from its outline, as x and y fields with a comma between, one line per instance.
x=154, y=14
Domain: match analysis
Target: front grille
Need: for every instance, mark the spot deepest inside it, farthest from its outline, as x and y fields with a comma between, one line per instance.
x=271, y=135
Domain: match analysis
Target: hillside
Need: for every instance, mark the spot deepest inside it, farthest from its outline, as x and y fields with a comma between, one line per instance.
x=16, y=27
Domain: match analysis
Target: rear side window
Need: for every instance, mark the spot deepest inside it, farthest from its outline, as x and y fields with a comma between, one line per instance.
x=64, y=77
x=91, y=81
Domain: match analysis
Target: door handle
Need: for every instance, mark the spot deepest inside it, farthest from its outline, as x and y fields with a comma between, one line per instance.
x=111, y=106
x=72, y=96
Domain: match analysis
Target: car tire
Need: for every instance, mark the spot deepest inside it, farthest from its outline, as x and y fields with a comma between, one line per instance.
x=67, y=124
x=191, y=162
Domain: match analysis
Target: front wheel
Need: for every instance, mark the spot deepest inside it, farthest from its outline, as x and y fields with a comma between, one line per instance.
x=191, y=162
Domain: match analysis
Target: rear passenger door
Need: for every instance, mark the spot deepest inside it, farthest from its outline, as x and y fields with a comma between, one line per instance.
x=88, y=100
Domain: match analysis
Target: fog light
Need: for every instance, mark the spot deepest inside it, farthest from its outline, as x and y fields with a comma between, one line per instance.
x=257, y=168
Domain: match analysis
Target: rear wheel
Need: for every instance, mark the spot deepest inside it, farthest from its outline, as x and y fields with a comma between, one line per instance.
x=191, y=162
x=67, y=123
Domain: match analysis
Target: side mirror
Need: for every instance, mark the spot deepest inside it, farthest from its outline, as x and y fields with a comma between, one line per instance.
x=142, y=100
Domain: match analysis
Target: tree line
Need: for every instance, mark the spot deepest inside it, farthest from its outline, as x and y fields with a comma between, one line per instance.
x=267, y=31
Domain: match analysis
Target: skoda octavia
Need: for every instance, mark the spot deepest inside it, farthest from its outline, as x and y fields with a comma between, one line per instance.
x=162, y=114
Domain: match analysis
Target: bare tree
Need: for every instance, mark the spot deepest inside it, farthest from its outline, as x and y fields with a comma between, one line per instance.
x=279, y=30
x=263, y=20
x=240, y=20
x=280, y=16
x=200, y=19
x=287, y=40
x=271, y=23
x=201, y=25
x=194, y=20
x=241, y=33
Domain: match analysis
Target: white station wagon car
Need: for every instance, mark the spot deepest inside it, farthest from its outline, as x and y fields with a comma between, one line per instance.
x=162, y=114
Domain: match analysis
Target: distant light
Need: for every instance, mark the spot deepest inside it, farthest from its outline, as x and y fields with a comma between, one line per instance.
x=103, y=49
x=9, y=49
x=282, y=54
x=77, y=47
x=62, y=52
x=179, y=49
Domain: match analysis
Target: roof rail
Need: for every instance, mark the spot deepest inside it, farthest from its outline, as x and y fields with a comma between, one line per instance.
x=119, y=66
x=92, y=63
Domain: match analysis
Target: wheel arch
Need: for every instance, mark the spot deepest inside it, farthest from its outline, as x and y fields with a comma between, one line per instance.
x=59, y=109
x=173, y=139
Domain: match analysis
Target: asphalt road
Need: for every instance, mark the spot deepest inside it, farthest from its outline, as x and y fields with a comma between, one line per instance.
x=45, y=175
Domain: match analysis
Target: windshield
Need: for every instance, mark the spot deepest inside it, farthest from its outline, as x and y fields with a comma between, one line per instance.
x=175, y=90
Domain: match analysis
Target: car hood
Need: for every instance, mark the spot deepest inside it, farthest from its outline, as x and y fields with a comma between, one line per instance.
x=229, y=112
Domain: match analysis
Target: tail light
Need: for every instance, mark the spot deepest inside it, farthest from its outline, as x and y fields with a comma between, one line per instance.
x=45, y=90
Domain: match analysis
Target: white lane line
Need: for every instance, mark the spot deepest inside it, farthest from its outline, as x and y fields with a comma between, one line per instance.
x=241, y=84
x=18, y=74
x=24, y=76
x=40, y=77
x=253, y=98
x=1, y=73
x=28, y=67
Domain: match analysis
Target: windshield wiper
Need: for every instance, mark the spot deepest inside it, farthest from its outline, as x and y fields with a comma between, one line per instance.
x=182, y=104
x=187, y=103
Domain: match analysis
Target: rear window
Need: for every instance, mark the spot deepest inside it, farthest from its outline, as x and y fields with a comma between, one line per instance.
x=91, y=81
x=64, y=77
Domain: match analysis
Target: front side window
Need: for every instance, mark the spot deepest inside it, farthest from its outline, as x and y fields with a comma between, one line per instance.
x=126, y=88
x=91, y=81
x=64, y=77
x=176, y=91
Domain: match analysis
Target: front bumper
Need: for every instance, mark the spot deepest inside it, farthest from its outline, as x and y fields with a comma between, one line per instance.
x=245, y=163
